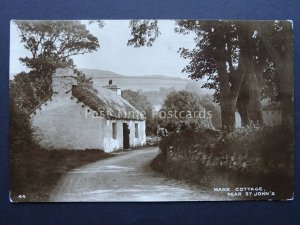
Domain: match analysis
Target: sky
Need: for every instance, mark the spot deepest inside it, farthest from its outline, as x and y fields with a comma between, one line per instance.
x=114, y=54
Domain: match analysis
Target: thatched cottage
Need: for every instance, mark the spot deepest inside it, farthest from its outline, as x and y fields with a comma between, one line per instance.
x=77, y=116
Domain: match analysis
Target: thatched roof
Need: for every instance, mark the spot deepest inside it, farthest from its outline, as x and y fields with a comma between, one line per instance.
x=107, y=102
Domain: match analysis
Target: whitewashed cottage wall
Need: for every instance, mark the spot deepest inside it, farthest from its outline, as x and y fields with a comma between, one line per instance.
x=64, y=123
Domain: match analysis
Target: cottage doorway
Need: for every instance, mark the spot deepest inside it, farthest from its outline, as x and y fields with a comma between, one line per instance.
x=126, y=132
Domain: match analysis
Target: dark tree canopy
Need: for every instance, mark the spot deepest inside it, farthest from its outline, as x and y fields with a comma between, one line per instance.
x=241, y=61
x=27, y=90
x=53, y=43
x=144, y=32
x=214, y=40
x=238, y=59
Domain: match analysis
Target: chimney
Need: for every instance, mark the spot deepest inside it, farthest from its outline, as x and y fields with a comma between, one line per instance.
x=63, y=79
x=113, y=87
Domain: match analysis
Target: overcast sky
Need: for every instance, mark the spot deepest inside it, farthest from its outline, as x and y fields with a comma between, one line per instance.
x=114, y=54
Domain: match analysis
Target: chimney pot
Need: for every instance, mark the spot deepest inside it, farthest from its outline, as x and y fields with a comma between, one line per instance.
x=113, y=87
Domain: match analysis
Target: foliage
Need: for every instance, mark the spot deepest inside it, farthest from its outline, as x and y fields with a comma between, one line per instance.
x=251, y=156
x=27, y=90
x=227, y=36
x=271, y=148
x=53, y=43
x=144, y=32
x=271, y=89
x=100, y=23
x=141, y=102
x=270, y=145
x=189, y=137
x=20, y=130
x=82, y=78
x=240, y=60
x=181, y=109
x=281, y=46
x=211, y=36
x=208, y=103
x=157, y=97
x=34, y=171
x=137, y=99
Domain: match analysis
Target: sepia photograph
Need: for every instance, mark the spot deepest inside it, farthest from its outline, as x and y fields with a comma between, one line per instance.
x=151, y=110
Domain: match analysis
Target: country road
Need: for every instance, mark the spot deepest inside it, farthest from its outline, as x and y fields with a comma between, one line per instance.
x=124, y=177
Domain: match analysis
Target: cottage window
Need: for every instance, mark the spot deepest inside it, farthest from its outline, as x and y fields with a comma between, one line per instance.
x=136, y=130
x=114, y=130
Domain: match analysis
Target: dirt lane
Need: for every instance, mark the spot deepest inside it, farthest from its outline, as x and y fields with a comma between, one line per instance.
x=125, y=177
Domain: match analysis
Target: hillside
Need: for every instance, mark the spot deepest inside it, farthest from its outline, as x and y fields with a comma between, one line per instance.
x=155, y=87
x=145, y=83
x=94, y=73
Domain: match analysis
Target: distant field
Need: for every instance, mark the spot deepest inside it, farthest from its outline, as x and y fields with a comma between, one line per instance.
x=145, y=83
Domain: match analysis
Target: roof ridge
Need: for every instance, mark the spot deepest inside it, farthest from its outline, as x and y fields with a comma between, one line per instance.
x=40, y=103
x=105, y=101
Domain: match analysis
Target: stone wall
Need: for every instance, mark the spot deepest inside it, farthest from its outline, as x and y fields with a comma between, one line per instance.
x=259, y=156
x=210, y=157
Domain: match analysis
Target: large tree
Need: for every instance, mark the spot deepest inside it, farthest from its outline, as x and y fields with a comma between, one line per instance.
x=249, y=99
x=216, y=49
x=234, y=57
x=256, y=48
x=278, y=40
x=220, y=56
x=51, y=44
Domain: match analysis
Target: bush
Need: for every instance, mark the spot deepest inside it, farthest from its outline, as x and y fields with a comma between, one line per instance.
x=188, y=138
x=270, y=147
x=251, y=156
x=182, y=110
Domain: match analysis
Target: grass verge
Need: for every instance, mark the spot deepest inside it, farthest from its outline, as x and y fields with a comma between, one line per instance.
x=35, y=173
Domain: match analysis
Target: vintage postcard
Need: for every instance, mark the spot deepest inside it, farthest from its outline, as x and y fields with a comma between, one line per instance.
x=151, y=110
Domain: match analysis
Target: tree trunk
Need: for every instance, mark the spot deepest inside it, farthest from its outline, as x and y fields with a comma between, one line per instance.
x=230, y=82
x=228, y=115
x=249, y=100
x=284, y=67
x=227, y=102
x=242, y=102
x=229, y=92
x=254, y=87
x=242, y=106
